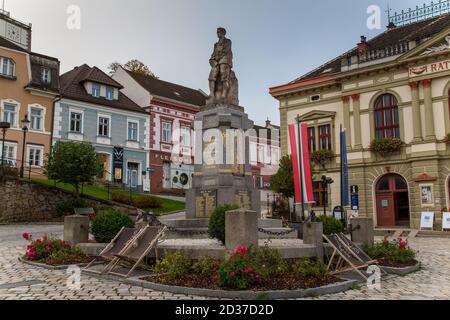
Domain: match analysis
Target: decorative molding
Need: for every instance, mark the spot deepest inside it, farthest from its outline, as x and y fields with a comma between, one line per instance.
x=424, y=177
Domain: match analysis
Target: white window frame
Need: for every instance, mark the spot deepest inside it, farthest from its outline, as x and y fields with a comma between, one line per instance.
x=46, y=76
x=43, y=116
x=128, y=130
x=96, y=85
x=107, y=116
x=41, y=159
x=9, y=144
x=170, y=131
x=11, y=63
x=2, y=109
x=183, y=129
x=71, y=111
x=111, y=89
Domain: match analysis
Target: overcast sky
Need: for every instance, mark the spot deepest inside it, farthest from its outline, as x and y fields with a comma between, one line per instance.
x=274, y=41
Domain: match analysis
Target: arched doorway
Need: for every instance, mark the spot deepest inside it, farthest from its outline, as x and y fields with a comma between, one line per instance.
x=392, y=201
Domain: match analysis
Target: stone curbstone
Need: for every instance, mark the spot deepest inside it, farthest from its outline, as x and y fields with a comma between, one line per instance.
x=402, y=271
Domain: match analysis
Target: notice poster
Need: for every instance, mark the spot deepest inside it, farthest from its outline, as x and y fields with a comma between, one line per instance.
x=427, y=220
x=446, y=221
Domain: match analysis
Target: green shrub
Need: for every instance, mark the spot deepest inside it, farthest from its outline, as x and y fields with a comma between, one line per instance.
x=206, y=266
x=66, y=207
x=309, y=267
x=137, y=201
x=331, y=225
x=386, y=146
x=107, y=224
x=241, y=271
x=396, y=252
x=322, y=156
x=173, y=265
x=216, y=228
x=272, y=260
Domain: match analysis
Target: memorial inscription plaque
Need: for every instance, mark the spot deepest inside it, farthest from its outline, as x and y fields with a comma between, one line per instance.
x=205, y=203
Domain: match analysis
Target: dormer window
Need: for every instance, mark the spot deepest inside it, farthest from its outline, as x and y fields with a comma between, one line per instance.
x=46, y=76
x=95, y=90
x=109, y=93
x=7, y=67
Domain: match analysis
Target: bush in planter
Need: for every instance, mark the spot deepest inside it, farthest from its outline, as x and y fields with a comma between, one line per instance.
x=45, y=247
x=396, y=252
x=272, y=260
x=309, y=267
x=216, y=229
x=241, y=271
x=386, y=146
x=66, y=207
x=322, y=156
x=206, y=266
x=107, y=224
x=331, y=225
x=173, y=265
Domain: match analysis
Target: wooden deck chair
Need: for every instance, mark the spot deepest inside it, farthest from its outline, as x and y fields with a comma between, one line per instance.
x=116, y=246
x=345, y=256
x=140, y=247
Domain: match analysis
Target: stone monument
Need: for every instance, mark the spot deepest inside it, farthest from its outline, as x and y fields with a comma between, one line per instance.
x=222, y=170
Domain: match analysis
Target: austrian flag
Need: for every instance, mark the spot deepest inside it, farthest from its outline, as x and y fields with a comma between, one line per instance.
x=298, y=134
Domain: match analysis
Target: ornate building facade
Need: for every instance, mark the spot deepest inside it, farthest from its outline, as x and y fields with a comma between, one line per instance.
x=391, y=94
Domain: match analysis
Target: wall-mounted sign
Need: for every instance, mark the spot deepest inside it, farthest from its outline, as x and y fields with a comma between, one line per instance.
x=427, y=220
x=429, y=69
x=146, y=185
x=118, y=164
x=426, y=195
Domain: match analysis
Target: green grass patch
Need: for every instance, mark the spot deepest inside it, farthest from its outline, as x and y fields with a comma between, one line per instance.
x=101, y=193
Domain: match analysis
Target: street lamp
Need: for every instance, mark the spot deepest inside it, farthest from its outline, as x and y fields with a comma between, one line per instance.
x=326, y=181
x=25, y=124
x=4, y=126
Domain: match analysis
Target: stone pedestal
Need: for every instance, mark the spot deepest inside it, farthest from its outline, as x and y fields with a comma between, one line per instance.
x=225, y=178
x=241, y=229
x=313, y=234
x=363, y=231
x=76, y=229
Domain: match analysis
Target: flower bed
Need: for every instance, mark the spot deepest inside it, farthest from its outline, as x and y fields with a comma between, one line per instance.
x=53, y=252
x=247, y=269
x=396, y=254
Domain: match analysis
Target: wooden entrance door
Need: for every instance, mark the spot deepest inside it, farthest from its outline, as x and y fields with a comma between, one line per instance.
x=386, y=210
x=392, y=201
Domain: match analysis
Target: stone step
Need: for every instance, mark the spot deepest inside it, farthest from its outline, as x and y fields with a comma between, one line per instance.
x=291, y=235
x=270, y=223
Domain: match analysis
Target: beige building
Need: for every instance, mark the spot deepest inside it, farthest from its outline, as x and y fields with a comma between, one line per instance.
x=392, y=88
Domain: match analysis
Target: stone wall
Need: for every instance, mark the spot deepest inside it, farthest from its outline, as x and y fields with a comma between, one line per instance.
x=22, y=201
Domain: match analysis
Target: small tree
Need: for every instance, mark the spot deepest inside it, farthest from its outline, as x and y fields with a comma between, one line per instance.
x=74, y=163
x=283, y=181
x=135, y=66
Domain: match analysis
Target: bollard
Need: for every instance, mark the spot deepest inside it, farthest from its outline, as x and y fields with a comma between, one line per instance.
x=313, y=234
x=76, y=229
x=241, y=229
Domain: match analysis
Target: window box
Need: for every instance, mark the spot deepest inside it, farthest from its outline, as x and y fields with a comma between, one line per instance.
x=322, y=157
x=386, y=146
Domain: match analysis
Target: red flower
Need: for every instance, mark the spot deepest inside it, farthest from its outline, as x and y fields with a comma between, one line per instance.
x=233, y=274
x=26, y=236
x=216, y=277
x=249, y=270
x=258, y=276
x=241, y=250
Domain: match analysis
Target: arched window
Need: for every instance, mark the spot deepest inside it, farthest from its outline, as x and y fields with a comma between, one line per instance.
x=7, y=67
x=386, y=117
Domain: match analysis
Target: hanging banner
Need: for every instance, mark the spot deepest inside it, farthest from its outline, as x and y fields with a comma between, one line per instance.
x=298, y=134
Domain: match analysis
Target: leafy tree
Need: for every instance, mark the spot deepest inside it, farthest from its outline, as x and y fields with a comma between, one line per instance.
x=135, y=66
x=283, y=181
x=74, y=163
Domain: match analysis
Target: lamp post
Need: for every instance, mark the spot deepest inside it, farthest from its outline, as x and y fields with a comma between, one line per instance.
x=326, y=181
x=4, y=126
x=25, y=124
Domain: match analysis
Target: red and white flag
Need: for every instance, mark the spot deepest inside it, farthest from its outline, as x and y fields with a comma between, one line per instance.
x=298, y=134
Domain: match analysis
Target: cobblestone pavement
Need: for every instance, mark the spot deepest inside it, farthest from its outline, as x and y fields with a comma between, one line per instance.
x=20, y=281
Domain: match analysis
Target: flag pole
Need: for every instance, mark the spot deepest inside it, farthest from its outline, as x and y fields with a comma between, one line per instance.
x=342, y=169
x=301, y=170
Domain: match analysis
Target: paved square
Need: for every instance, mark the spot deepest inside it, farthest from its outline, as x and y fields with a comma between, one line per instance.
x=20, y=281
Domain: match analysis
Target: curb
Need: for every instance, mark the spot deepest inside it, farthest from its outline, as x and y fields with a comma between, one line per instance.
x=241, y=295
x=49, y=267
x=402, y=271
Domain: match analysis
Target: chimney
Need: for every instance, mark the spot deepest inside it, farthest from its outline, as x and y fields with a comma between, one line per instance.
x=391, y=26
x=363, y=45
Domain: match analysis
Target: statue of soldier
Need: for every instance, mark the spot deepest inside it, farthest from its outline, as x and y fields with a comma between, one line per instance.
x=221, y=62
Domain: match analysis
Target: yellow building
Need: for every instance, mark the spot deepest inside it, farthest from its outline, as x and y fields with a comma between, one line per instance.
x=391, y=94
x=29, y=84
